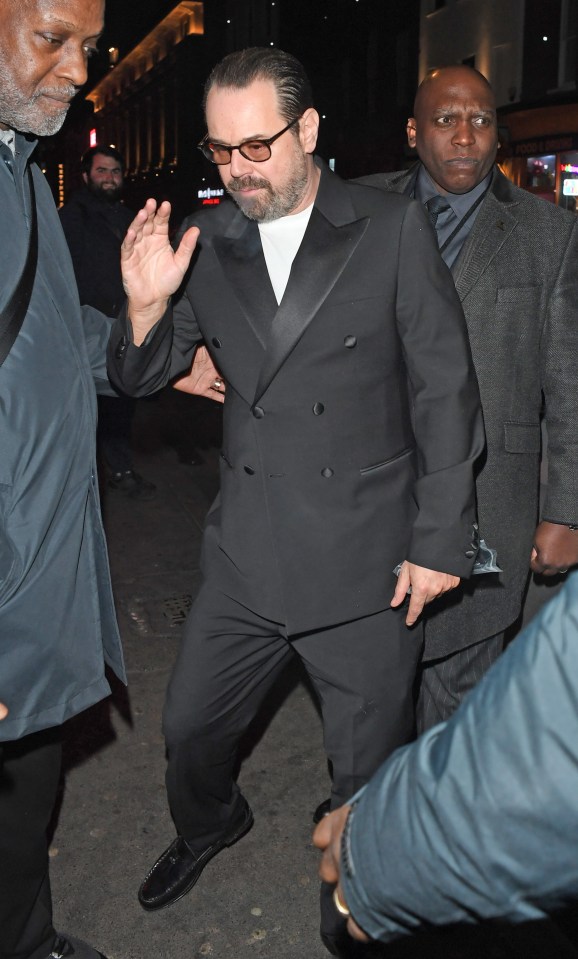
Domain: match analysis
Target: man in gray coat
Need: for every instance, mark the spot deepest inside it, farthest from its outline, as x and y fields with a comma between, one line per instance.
x=513, y=258
x=57, y=621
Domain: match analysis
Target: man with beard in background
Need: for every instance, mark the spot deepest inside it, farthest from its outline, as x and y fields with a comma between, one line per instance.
x=95, y=221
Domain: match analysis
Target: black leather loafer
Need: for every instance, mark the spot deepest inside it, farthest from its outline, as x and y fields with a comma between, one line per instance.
x=178, y=869
x=323, y=809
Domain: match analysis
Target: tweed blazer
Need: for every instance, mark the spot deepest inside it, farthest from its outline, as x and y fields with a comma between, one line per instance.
x=517, y=279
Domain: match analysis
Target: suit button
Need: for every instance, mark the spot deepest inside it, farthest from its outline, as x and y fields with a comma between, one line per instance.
x=249, y=470
x=216, y=342
x=318, y=409
x=350, y=342
x=327, y=472
x=258, y=412
x=121, y=348
x=470, y=553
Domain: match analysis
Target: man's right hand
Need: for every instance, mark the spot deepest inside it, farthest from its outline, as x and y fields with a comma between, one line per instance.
x=426, y=585
x=151, y=270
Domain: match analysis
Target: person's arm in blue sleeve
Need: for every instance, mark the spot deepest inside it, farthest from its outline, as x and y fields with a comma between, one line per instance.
x=478, y=819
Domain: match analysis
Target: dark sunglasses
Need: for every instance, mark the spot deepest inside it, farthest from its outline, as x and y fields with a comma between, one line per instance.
x=257, y=151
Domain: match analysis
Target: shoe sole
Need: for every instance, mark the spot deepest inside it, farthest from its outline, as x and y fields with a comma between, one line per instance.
x=207, y=856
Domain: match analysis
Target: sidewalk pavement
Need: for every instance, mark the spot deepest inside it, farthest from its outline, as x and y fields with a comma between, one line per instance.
x=258, y=898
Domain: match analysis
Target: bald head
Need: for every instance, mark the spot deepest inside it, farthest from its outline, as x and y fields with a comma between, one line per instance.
x=443, y=77
x=454, y=128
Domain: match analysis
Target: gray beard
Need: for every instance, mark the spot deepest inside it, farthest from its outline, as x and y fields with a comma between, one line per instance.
x=273, y=204
x=27, y=115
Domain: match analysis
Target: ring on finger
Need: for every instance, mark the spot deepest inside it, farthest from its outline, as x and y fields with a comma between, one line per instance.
x=339, y=905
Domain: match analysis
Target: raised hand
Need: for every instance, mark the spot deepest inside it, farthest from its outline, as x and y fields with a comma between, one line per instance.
x=151, y=270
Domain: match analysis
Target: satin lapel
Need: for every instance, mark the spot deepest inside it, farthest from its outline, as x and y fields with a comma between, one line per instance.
x=323, y=255
x=494, y=224
x=240, y=254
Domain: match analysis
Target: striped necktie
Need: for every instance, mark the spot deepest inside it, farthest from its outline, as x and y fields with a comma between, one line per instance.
x=435, y=205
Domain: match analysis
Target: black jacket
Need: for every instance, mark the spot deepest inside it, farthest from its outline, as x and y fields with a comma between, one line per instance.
x=351, y=419
x=94, y=230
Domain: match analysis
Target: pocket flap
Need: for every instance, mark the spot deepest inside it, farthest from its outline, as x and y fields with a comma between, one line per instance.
x=522, y=437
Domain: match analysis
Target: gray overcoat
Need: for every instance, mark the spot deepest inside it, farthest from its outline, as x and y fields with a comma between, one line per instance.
x=56, y=609
x=517, y=279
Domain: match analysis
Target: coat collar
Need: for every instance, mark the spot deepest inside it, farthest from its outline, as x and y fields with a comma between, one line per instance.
x=494, y=224
x=240, y=254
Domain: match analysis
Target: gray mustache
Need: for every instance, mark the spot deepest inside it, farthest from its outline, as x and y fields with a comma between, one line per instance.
x=241, y=183
x=61, y=93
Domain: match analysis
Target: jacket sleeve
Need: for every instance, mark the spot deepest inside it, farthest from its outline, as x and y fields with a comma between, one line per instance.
x=559, y=361
x=167, y=351
x=447, y=415
x=96, y=327
x=477, y=820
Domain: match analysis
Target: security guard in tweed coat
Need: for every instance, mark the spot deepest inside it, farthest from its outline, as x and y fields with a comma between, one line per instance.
x=513, y=258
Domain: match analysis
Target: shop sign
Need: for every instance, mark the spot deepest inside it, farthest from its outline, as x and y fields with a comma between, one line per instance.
x=546, y=145
x=210, y=196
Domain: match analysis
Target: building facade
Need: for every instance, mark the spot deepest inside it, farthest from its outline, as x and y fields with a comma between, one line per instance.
x=361, y=56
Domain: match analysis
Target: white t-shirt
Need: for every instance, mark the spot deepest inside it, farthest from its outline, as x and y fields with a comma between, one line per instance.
x=280, y=240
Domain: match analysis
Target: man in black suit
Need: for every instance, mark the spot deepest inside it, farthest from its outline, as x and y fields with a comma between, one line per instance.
x=351, y=425
x=513, y=258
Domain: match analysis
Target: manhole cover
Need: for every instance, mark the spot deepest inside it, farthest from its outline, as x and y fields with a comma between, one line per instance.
x=176, y=608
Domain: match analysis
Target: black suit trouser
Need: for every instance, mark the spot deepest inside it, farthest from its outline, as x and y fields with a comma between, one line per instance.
x=363, y=672
x=29, y=778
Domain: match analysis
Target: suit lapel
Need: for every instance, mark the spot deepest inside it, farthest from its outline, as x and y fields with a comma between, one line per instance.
x=240, y=254
x=494, y=224
x=330, y=240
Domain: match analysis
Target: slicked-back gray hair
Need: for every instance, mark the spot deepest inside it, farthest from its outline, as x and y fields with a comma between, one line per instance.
x=243, y=67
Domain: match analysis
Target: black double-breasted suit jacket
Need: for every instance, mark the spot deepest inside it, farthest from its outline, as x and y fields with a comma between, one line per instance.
x=351, y=418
